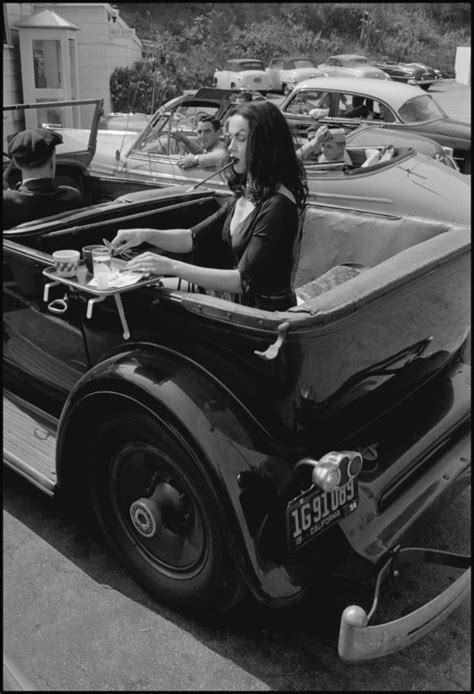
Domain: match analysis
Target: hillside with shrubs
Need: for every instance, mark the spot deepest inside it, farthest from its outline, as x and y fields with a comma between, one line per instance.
x=189, y=41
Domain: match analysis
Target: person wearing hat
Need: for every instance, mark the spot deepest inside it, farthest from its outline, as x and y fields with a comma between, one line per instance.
x=38, y=195
x=325, y=146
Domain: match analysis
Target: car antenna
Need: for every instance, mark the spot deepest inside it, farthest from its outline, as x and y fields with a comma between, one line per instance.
x=214, y=173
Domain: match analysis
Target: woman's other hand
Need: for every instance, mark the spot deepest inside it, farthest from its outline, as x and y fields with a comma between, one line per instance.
x=151, y=263
x=128, y=238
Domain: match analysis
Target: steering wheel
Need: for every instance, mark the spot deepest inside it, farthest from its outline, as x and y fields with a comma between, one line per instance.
x=175, y=146
x=155, y=147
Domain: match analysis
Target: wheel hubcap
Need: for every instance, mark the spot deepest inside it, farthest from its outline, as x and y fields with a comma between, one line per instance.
x=146, y=517
x=151, y=495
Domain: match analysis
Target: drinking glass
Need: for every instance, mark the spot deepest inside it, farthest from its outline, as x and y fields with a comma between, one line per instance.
x=102, y=266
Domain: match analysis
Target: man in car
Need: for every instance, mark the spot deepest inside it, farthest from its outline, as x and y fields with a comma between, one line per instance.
x=361, y=108
x=325, y=145
x=209, y=151
x=34, y=152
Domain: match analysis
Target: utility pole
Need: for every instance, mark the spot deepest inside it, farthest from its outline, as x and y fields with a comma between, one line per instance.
x=366, y=25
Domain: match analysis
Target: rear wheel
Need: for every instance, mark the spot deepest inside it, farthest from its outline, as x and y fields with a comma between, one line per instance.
x=158, y=514
x=285, y=88
x=425, y=87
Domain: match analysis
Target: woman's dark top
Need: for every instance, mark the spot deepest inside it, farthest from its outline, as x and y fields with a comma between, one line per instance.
x=261, y=248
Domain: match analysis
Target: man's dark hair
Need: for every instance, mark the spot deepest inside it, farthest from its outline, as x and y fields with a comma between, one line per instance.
x=271, y=155
x=216, y=124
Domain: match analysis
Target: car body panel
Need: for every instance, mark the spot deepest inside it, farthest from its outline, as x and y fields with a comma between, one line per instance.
x=347, y=65
x=407, y=109
x=244, y=73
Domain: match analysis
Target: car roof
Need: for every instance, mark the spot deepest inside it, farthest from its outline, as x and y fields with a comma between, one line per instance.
x=349, y=55
x=243, y=60
x=292, y=57
x=395, y=93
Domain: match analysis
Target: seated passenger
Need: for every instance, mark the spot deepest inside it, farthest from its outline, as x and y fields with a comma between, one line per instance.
x=209, y=151
x=245, y=249
x=33, y=152
x=360, y=109
x=325, y=146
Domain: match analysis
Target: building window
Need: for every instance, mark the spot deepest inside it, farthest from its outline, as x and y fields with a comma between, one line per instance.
x=47, y=64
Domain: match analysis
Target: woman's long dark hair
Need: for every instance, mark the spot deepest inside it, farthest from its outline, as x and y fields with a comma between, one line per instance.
x=271, y=155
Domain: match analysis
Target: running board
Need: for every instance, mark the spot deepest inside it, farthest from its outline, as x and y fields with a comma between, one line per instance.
x=29, y=442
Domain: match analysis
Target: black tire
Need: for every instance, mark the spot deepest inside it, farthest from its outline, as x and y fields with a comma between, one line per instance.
x=185, y=563
x=466, y=169
x=285, y=90
x=425, y=87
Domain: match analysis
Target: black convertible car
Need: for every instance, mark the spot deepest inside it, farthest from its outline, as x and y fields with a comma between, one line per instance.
x=229, y=451
x=417, y=74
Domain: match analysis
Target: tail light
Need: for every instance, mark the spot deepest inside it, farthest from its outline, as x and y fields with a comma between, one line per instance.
x=334, y=468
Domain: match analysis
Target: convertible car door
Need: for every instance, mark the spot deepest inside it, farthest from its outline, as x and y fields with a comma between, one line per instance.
x=44, y=352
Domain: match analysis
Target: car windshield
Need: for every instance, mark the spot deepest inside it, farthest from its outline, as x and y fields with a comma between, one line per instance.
x=250, y=65
x=304, y=63
x=156, y=138
x=354, y=62
x=421, y=108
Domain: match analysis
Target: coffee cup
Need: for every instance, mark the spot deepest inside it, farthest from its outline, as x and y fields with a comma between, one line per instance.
x=66, y=262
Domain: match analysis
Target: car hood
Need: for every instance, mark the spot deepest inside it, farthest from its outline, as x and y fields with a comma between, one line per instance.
x=446, y=184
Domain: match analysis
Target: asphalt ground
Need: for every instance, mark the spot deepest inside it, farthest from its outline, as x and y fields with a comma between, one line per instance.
x=75, y=621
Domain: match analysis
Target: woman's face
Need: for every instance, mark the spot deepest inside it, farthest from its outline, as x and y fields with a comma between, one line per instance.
x=238, y=138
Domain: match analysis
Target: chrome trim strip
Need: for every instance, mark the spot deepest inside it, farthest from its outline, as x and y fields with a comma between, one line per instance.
x=44, y=483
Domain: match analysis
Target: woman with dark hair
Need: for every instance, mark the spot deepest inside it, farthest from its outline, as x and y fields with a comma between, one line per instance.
x=246, y=247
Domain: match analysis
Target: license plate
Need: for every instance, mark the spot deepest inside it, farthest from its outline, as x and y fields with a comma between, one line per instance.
x=257, y=79
x=316, y=510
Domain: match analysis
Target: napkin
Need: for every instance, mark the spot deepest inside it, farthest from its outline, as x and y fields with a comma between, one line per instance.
x=120, y=279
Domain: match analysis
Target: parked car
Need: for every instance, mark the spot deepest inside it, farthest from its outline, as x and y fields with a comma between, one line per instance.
x=410, y=73
x=127, y=162
x=243, y=73
x=228, y=451
x=347, y=65
x=285, y=72
x=397, y=106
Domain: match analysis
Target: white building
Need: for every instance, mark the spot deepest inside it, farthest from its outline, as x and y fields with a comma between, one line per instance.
x=104, y=42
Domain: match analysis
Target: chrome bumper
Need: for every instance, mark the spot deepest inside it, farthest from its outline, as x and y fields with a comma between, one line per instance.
x=359, y=641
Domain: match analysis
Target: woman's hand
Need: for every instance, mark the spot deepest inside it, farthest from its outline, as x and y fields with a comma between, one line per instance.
x=128, y=238
x=151, y=263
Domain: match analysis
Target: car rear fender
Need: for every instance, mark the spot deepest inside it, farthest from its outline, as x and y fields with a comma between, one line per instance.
x=221, y=435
